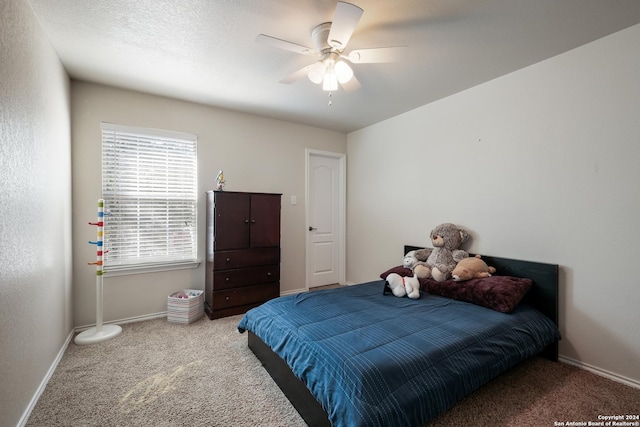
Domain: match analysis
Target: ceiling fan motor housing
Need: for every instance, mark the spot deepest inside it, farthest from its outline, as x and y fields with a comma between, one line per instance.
x=320, y=35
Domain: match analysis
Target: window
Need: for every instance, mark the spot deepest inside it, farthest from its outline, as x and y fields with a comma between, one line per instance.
x=149, y=180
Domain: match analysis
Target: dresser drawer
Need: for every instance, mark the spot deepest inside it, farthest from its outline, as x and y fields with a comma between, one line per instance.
x=245, y=295
x=227, y=279
x=224, y=260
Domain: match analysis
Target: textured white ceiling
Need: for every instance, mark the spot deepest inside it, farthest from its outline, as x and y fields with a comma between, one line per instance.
x=205, y=50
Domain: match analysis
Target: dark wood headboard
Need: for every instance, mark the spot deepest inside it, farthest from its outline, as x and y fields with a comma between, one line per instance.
x=544, y=293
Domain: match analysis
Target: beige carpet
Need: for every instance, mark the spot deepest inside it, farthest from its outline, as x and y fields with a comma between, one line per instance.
x=158, y=373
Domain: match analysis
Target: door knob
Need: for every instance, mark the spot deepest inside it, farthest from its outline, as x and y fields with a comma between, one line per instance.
x=312, y=228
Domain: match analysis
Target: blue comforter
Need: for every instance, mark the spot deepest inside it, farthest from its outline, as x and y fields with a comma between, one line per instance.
x=377, y=360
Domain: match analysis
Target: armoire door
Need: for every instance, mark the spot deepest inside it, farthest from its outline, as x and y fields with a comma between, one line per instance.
x=265, y=220
x=232, y=217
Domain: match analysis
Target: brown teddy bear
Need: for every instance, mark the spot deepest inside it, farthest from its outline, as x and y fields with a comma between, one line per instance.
x=471, y=268
x=446, y=239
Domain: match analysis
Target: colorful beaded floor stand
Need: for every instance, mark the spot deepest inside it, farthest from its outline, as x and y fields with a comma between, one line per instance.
x=100, y=332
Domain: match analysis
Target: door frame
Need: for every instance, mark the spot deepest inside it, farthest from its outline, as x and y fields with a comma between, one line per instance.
x=342, y=214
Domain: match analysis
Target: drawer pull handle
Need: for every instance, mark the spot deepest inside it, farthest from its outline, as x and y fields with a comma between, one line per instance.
x=269, y=274
x=226, y=279
x=246, y=221
x=227, y=298
x=228, y=259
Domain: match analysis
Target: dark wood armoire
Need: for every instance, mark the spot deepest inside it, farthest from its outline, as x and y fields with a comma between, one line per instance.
x=243, y=251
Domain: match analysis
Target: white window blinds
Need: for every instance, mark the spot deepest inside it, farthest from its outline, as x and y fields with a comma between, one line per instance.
x=149, y=186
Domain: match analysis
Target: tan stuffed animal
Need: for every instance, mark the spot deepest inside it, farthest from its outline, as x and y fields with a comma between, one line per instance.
x=471, y=268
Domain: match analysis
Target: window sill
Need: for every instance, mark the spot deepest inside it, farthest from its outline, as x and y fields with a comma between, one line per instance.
x=149, y=268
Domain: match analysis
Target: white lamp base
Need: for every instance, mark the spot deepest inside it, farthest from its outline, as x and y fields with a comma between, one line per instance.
x=92, y=335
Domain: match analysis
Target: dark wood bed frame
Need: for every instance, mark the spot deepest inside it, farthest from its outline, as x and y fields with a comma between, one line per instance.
x=543, y=296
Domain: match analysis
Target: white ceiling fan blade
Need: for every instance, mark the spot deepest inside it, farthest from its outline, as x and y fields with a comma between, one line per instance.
x=297, y=75
x=345, y=19
x=283, y=44
x=377, y=55
x=351, y=85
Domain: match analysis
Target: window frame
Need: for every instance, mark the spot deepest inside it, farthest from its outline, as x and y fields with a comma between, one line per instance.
x=140, y=266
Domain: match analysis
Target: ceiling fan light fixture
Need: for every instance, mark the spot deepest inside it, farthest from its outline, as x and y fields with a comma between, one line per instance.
x=343, y=72
x=317, y=72
x=330, y=82
x=329, y=71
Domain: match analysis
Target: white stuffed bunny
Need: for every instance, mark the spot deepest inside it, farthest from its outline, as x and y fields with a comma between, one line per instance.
x=401, y=286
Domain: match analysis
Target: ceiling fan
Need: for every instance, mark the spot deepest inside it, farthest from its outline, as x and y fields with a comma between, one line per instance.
x=330, y=40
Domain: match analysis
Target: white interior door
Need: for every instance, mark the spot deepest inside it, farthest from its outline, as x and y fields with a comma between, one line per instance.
x=326, y=213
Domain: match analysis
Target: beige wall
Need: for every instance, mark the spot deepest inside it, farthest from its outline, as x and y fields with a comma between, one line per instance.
x=35, y=209
x=257, y=154
x=541, y=164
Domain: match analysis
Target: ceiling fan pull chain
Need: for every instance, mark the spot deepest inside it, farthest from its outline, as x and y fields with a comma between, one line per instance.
x=330, y=103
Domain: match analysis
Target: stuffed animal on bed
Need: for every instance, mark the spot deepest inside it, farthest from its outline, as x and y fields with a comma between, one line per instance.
x=401, y=286
x=446, y=239
x=409, y=260
x=414, y=259
x=471, y=268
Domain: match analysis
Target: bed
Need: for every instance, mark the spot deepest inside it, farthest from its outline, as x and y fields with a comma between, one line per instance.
x=357, y=357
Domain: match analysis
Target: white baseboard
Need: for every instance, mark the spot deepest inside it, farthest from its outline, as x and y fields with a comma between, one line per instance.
x=599, y=371
x=124, y=321
x=295, y=291
x=44, y=382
